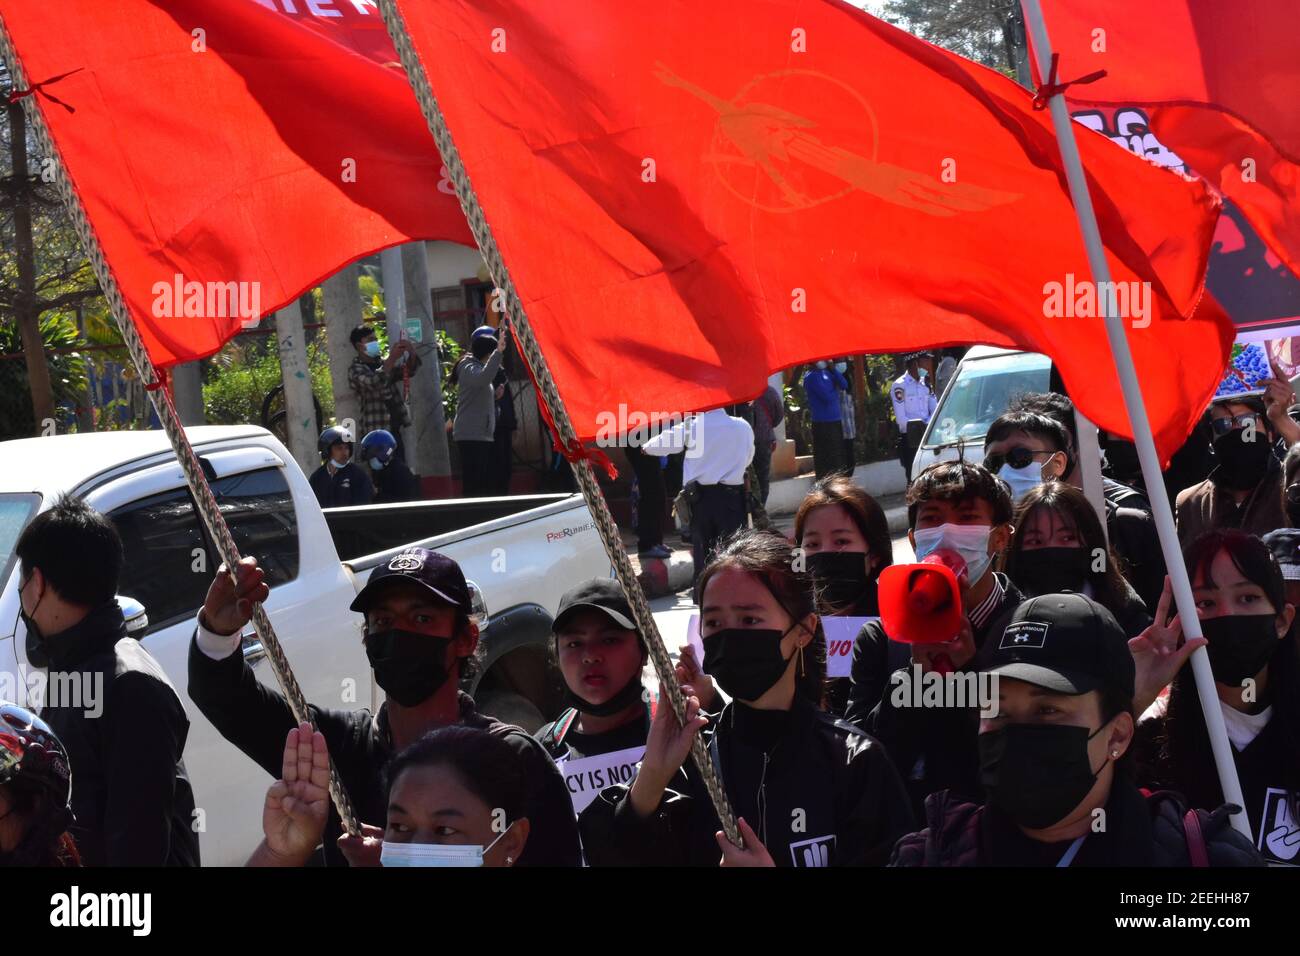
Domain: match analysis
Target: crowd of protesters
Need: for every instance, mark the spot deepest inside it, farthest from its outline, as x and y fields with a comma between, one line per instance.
x=1067, y=612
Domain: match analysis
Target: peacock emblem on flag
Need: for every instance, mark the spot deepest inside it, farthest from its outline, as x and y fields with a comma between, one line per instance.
x=776, y=160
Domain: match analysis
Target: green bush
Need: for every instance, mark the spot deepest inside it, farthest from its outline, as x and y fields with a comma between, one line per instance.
x=240, y=378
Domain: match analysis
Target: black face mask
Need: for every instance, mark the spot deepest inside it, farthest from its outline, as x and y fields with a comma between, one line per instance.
x=408, y=665
x=624, y=699
x=1051, y=570
x=1241, y=645
x=842, y=578
x=1036, y=773
x=1241, y=464
x=37, y=655
x=745, y=661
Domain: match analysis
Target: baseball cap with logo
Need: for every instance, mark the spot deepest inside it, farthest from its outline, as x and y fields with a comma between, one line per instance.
x=1285, y=545
x=602, y=594
x=1067, y=643
x=436, y=573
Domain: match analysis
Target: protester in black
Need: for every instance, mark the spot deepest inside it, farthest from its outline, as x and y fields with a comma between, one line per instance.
x=338, y=482
x=846, y=543
x=1241, y=601
x=1053, y=761
x=1059, y=545
x=125, y=738
x=600, y=655
x=809, y=790
x=963, y=508
x=35, y=793
x=1129, y=527
x=420, y=638
x=455, y=798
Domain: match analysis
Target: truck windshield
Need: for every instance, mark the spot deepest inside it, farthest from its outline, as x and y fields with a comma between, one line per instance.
x=982, y=392
x=15, y=512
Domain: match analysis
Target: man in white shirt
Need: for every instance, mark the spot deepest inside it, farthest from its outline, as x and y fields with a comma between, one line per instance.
x=717, y=448
x=914, y=401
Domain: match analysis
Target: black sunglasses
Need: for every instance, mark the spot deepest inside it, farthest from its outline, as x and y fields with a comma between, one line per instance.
x=1221, y=426
x=1018, y=457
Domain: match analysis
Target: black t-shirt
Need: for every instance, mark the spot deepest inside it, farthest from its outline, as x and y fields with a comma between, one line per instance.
x=631, y=734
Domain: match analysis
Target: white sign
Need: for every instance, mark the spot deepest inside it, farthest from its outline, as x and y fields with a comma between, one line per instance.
x=587, y=776
x=693, y=639
x=840, y=633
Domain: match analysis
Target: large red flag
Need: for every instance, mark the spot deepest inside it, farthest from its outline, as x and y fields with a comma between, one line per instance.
x=231, y=155
x=690, y=196
x=1219, y=82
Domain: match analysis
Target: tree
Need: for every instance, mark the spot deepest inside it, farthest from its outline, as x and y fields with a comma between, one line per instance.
x=43, y=268
x=990, y=32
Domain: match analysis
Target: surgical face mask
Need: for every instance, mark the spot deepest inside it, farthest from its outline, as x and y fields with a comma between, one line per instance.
x=1052, y=570
x=971, y=541
x=435, y=854
x=372, y=350
x=841, y=367
x=376, y=464
x=842, y=579
x=1241, y=464
x=821, y=365
x=1022, y=480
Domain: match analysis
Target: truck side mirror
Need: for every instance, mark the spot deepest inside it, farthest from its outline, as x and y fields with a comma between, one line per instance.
x=478, y=606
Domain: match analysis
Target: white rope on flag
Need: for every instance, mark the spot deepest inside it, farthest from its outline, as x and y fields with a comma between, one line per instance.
x=605, y=524
x=197, y=481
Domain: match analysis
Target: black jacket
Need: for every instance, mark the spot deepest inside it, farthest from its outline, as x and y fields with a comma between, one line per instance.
x=347, y=486
x=933, y=748
x=1140, y=831
x=132, y=799
x=1133, y=538
x=256, y=719
x=817, y=792
x=395, y=482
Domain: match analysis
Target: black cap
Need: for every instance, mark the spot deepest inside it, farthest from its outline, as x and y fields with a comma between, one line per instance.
x=1067, y=643
x=1285, y=545
x=603, y=594
x=436, y=573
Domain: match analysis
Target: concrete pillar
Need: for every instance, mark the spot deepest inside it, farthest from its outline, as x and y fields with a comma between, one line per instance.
x=299, y=415
x=187, y=393
x=342, y=300
x=430, y=456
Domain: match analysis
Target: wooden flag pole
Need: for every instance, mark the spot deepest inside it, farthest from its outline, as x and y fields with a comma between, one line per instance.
x=197, y=481
x=604, y=521
x=1137, y=414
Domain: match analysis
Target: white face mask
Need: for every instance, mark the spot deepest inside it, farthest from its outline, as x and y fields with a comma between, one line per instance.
x=1022, y=480
x=821, y=365
x=435, y=854
x=841, y=367
x=971, y=541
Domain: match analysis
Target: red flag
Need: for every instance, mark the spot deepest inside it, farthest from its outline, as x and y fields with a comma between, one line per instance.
x=690, y=196
x=1219, y=83
x=231, y=155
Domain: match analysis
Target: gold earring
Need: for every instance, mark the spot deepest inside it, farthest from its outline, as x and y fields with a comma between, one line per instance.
x=801, y=670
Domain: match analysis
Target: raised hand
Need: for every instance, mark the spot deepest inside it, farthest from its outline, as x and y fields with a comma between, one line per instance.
x=1159, y=653
x=297, y=804
x=229, y=604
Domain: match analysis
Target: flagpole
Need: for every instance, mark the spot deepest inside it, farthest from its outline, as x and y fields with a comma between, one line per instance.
x=550, y=395
x=205, y=501
x=1137, y=413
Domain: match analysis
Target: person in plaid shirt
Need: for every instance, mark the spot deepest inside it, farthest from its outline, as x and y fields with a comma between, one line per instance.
x=377, y=383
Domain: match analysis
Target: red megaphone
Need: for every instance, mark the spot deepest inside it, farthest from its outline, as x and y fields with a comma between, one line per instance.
x=921, y=603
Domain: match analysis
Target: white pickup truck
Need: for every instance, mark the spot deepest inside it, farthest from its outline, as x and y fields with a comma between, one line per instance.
x=520, y=553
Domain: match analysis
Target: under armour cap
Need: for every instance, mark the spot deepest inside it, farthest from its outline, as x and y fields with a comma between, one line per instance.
x=1066, y=643
x=436, y=573
x=1285, y=545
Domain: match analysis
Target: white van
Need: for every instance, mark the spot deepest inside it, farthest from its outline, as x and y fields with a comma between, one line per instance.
x=985, y=381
